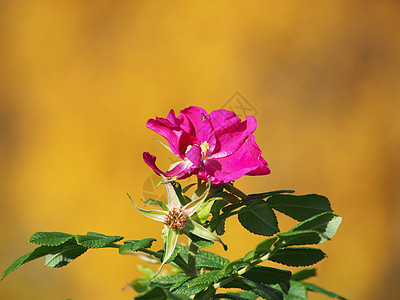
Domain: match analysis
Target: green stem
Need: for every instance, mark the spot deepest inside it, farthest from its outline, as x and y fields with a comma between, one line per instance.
x=234, y=190
x=192, y=259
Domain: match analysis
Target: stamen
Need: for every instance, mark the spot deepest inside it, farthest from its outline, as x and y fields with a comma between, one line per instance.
x=176, y=219
x=205, y=146
x=188, y=148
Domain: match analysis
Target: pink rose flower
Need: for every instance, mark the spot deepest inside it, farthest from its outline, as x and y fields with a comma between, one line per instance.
x=216, y=146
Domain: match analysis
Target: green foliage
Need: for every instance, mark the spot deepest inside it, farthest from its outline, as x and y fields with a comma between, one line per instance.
x=204, y=259
x=298, y=257
x=261, y=248
x=245, y=295
x=299, y=290
x=170, y=281
x=198, y=274
x=210, y=261
x=304, y=274
x=56, y=256
x=267, y=275
x=300, y=208
x=325, y=223
x=134, y=245
x=258, y=218
x=96, y=240
x=157, y=293
x=269, y=194
x=317, y=289
x=304, y=237
x=59, y=249
x=262, y=290
x=198, y=241
x=197, y=284
x=50, y=238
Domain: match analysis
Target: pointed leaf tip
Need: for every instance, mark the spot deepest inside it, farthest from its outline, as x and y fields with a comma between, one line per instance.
x=157, y=215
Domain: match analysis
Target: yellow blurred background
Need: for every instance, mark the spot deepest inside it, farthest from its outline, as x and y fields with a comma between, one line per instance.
x=79, y=79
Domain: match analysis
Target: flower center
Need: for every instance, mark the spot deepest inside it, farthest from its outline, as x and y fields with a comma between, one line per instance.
x=176, y=219
x=204, y=149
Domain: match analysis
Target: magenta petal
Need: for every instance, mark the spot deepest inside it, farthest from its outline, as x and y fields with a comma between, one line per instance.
x=181, y=169
x=197, y=123
x=194, y=155
x=217, y=146
x=150, y=160
x=231, y=132
x=172, y=119
x=246, y=160
x=177, y=139
x=224, y=121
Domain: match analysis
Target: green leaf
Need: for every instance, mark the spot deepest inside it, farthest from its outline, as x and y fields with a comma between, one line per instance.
x=199, y=191
x=155, y=293
x=158, y=293
x=67, y=252
x=301, y=207
x=269, y=194
x=258, y=218
x=169, y=280
x=262, y=290
x=206, y=294
x=297, y=291
x=209, y=260
x=199, y=242
x=267, y=275
x=186, y=188
x=64, y=255
x=150, y=201
x=264, y=246
x=170, y=248
x=304, y=274
x=179, y=193
x=134, y=245
x=317, y=289
x=326, y=224
x=198, y=230
x=96, y=240
x=50, y=238
x=297, y=256
x=246, y=295
x=304, y=237
x=204, y=210
x=178, y=250
x=140, y=285
x=197, y=284
x=220, y=230
x=284, y=286
x=204, y=259
x=217, y=206
x=229, y=208
x=261, y=249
